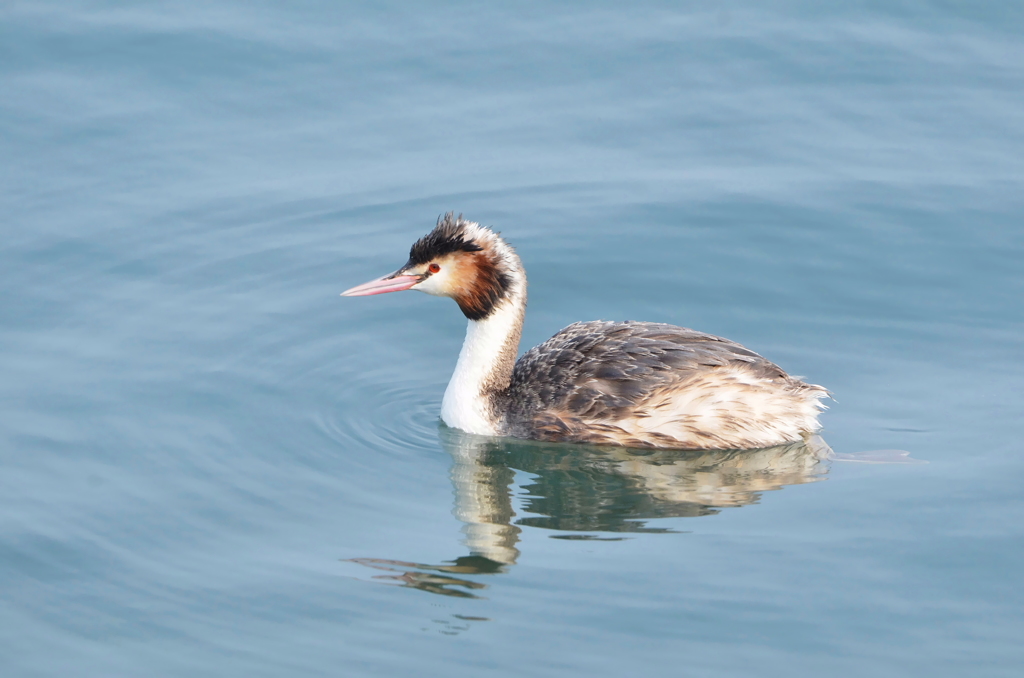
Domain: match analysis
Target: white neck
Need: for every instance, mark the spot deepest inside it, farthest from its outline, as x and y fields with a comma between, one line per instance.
x=485, y=367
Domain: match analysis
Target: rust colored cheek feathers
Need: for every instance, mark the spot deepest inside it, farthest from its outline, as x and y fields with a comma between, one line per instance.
x=479, y=285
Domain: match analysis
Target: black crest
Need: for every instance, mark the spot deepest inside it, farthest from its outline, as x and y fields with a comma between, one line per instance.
x=448, y=237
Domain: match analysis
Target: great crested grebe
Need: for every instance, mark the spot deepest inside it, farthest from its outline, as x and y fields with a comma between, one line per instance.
x=636, y=384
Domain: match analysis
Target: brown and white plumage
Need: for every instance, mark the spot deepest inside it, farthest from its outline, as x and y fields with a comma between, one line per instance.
x=637, y=384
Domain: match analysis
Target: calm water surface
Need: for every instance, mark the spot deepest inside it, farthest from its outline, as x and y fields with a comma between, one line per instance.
x=212, y=465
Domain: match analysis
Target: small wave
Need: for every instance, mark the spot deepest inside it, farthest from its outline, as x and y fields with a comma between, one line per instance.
x=384, y=411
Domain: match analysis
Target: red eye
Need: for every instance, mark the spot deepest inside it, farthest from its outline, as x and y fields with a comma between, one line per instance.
x=434, y=268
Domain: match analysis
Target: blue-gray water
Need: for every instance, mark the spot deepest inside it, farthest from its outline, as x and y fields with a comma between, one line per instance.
x=212, y=465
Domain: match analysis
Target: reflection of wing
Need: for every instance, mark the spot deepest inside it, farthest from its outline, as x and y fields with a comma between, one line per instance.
x=612, y=489
x=734, y=478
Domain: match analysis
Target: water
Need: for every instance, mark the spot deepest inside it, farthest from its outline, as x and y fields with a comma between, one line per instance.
x=215, y=466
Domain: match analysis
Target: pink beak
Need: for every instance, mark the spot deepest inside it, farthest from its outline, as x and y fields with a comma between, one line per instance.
x=391, y=283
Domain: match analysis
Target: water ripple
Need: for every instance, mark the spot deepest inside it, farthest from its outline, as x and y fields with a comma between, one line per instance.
x=384, y=411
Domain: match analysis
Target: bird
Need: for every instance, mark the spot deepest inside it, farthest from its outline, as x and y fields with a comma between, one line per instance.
x=625, y=383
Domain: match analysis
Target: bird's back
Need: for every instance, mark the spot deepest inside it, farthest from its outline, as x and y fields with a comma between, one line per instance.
x=647, y=384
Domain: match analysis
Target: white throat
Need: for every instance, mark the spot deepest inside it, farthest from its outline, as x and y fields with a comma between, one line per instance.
x=485, y=366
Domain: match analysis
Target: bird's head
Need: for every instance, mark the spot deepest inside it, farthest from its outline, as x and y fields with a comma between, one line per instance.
x=458, y=259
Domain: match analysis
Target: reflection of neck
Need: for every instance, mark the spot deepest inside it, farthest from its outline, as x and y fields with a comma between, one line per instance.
x=485, y=367
x=483, y=502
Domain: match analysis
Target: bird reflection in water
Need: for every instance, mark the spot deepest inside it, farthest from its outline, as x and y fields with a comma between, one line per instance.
x=427, y=577
x=582, y=489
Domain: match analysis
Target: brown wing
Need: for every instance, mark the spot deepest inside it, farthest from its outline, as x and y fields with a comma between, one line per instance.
x=599, y=372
